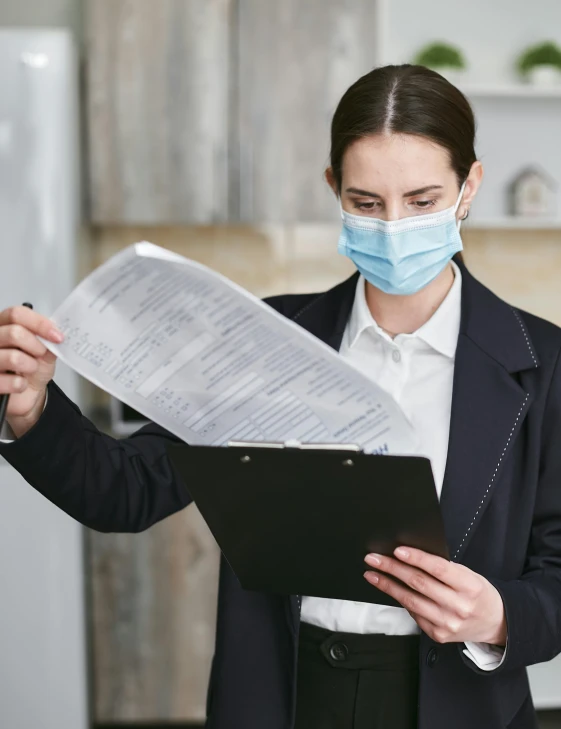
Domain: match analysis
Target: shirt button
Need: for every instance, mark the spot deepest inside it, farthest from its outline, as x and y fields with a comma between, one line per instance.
x=396, y=355
x=339, y=652
x=432, y=658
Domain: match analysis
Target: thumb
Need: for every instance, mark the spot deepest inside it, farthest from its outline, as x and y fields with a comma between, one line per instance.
x=49, y=358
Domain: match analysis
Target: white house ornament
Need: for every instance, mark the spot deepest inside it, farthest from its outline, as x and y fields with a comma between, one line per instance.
x=533, y=194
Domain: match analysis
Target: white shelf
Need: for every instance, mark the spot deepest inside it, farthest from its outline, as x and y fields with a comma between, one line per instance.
x=514, y=223
x=511, y=91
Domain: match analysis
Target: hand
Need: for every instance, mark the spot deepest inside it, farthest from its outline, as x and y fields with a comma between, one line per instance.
x=23, y=354
x=449, y=602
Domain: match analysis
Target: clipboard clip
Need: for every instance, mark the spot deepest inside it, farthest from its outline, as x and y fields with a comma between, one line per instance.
x=296, y=445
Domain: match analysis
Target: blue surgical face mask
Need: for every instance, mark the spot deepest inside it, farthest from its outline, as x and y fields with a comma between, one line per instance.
x=401, y=256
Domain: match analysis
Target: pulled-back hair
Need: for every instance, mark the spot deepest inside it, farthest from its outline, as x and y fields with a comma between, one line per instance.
x=405, y=99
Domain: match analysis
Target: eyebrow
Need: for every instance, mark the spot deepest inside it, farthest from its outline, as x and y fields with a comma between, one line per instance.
x=412, y=193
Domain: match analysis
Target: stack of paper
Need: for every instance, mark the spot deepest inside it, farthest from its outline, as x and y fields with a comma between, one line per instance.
x=209, y=362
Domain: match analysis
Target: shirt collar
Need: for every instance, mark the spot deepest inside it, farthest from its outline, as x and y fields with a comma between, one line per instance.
x=440, y=332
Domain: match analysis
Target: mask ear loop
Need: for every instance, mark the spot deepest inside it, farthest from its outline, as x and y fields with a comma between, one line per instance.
x=460, y=196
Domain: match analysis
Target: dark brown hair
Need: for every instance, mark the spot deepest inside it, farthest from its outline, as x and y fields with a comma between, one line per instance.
x=405, y=100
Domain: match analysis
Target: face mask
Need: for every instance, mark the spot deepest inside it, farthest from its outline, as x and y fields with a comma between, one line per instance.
x=401, y=256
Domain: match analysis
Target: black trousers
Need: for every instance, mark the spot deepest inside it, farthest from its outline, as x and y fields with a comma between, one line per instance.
x=350, y=681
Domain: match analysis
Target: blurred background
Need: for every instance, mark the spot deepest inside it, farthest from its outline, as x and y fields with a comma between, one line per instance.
x=202, y=126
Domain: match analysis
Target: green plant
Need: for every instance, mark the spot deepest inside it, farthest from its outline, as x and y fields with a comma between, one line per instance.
x=544, y=54
x=440, y=55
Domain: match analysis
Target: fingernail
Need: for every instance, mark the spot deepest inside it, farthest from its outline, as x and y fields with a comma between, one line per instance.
x=372, y=577
x=401, y=552
x=374, y=559
x=56, y=336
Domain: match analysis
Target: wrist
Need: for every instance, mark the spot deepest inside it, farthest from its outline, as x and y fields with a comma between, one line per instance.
x=22, y=424
x=498, y=633
x=496, y=636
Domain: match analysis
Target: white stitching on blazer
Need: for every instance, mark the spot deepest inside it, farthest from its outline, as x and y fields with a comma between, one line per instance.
x=525, y=333
x=494, y=475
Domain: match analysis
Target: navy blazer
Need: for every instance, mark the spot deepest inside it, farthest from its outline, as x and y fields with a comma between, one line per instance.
x=501, y=503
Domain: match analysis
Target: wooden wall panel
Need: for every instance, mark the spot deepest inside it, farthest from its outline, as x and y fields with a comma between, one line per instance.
x=153, y=620
x=294, y=61
x=160, y=135
x=157, y=82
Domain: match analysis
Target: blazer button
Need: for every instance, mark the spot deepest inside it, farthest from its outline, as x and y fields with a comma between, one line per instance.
x=432, y=658
x=339, y=652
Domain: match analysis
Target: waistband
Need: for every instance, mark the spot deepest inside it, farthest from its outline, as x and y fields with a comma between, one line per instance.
x=356, y=651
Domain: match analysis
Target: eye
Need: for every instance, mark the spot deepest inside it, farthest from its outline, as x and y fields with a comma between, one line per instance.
x=424, y=204
x=365, y=206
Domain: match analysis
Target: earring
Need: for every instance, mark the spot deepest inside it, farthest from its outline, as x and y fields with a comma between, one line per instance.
x=466, y=216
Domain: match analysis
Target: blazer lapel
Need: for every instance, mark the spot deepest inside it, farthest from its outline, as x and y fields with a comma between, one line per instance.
x=488, y=407
x=488, y=404
x=327, y=316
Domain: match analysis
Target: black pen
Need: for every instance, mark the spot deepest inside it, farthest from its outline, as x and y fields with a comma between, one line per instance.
x=4, y=398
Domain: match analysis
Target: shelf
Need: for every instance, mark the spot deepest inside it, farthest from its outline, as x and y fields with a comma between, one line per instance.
x=511, y=91
x=514, y=223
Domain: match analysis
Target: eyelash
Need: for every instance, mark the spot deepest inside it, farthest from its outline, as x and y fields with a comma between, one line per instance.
x=420, y=205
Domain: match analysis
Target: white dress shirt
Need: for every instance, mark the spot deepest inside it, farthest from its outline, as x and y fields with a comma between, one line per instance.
x=417, y=370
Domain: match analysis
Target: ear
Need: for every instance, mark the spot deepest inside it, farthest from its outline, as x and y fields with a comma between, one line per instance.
x=330, y=179
x=473, y=183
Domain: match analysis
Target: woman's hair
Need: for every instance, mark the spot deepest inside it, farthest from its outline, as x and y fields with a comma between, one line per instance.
x=405, y=100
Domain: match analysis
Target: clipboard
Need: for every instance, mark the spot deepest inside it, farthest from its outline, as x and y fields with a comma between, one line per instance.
x=298, y=519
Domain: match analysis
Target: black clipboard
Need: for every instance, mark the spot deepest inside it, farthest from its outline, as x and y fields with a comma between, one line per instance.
x=300, y=520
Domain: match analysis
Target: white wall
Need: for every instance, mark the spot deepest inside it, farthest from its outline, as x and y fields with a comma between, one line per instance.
x=491, y=33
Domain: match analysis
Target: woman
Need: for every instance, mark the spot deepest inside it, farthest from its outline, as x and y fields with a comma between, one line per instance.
x=479, y=380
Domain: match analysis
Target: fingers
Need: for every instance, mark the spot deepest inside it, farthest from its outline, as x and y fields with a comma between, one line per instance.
x=449, y=602
x=436, y=632
x=14, y=360
x=451, y=574
x=416, y=579
x=49, y=357
x=412, y=601
x=12, y=384
x=28, y=319
x=15, y=336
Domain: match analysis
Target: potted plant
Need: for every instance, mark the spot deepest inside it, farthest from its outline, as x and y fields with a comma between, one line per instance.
x=541, y=64
x=443, y=58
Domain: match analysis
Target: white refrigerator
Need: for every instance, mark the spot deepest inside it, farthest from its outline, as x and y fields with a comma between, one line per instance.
x=42, y=607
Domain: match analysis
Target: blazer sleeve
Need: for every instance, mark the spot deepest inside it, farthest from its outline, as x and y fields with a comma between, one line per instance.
x=533, y=603
x=106, y=484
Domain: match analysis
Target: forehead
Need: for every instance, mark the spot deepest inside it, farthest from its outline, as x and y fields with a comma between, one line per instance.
x=391, y=160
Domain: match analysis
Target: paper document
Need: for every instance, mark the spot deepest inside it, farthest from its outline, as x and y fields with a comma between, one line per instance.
x=211, y=363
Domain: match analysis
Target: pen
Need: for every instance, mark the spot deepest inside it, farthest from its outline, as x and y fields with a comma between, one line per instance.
x=4, y=398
